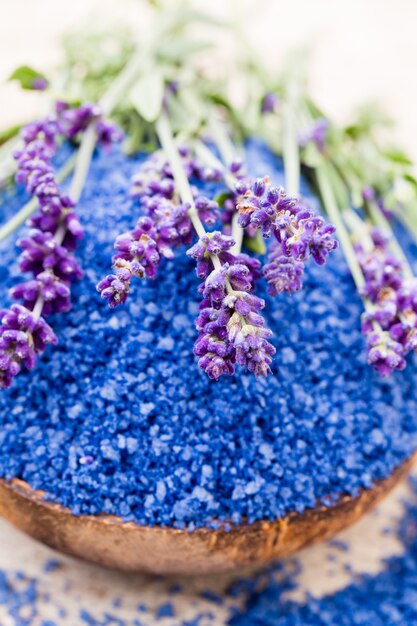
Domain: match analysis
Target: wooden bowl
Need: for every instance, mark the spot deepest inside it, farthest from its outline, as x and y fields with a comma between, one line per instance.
x=115, y=544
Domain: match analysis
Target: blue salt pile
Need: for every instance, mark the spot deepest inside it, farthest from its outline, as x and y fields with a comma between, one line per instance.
x=118, y=419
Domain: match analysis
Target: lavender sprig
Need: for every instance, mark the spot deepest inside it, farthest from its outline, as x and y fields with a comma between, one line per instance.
x=23, y=336
x=231, y=328
x=298, y=233
x=47, y=249
x=390, y=324
x=390, y=318
x=165, y=226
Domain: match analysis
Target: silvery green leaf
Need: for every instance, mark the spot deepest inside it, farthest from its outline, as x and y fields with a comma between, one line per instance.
x=27, y=77
x=255, y=244
x=147, y=95
x=398, y=156
x=311, y=155
x=176, y=50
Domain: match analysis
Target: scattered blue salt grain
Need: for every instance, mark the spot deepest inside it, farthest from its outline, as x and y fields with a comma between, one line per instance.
x=165, y=610
x=119, y=411
x=339, y=545
x=51, y=565
x=212, y=597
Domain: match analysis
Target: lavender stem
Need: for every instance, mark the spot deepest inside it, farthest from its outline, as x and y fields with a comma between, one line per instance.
x=359, y=229
x=26, y=211
x=123, y=81
x=164, y=132
x=290, y=144
x=228, y=154
x=211, y=160
x=380, y=220
x=333, y=212
x=222, y=140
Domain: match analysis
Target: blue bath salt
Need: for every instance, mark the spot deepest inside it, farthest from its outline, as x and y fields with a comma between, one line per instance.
x=118, y=418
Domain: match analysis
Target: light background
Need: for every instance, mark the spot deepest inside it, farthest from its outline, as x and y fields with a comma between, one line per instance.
x=363, y=50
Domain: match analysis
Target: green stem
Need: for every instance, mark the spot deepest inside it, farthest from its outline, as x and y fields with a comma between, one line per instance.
x=330, y=205
x=26, y=211
x=83, y=160
x=111, y=98
x=166, y=138
x=222, y=140
x=359, y=229
x=206, y=155
x=290, y=147
x=212, y=161
x=381, y=221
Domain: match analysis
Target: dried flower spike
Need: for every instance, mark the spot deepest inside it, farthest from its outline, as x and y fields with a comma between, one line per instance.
x=165, y=226
x=47, y=249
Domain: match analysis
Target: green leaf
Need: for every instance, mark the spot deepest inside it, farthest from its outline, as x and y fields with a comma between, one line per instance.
x=411, y=179
x=255, y=244
x=147, y=95
x=222, y=197
x=27, y=77
x=311, y=155
x=398, y=156
x=177, y=50
x=8, y=133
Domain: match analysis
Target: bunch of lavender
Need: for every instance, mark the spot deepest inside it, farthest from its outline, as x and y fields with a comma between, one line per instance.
x=297, y=231
x=164, y=225
x=47, y=250
x=231, y=328
x=390, y=322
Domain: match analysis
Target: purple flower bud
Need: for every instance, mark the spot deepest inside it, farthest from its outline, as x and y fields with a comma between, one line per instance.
x=282, y=273
x=317, y=134
x=39, y=83
x=384, y=354
x=270, y=103
x=115, y=287
x=22, y=338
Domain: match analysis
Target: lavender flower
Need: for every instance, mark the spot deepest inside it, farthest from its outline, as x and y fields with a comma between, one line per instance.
x=269, y=103
x=281, y=272
x=390, y=321
x=297, y=231
x=22, y=338
x=47, y=249
x=115, y=287
x=247, y=332
x=39, y=83
x=231, y=329
x=75, y=120
x=384, y=353
x=317, y=134
x=165, y=226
